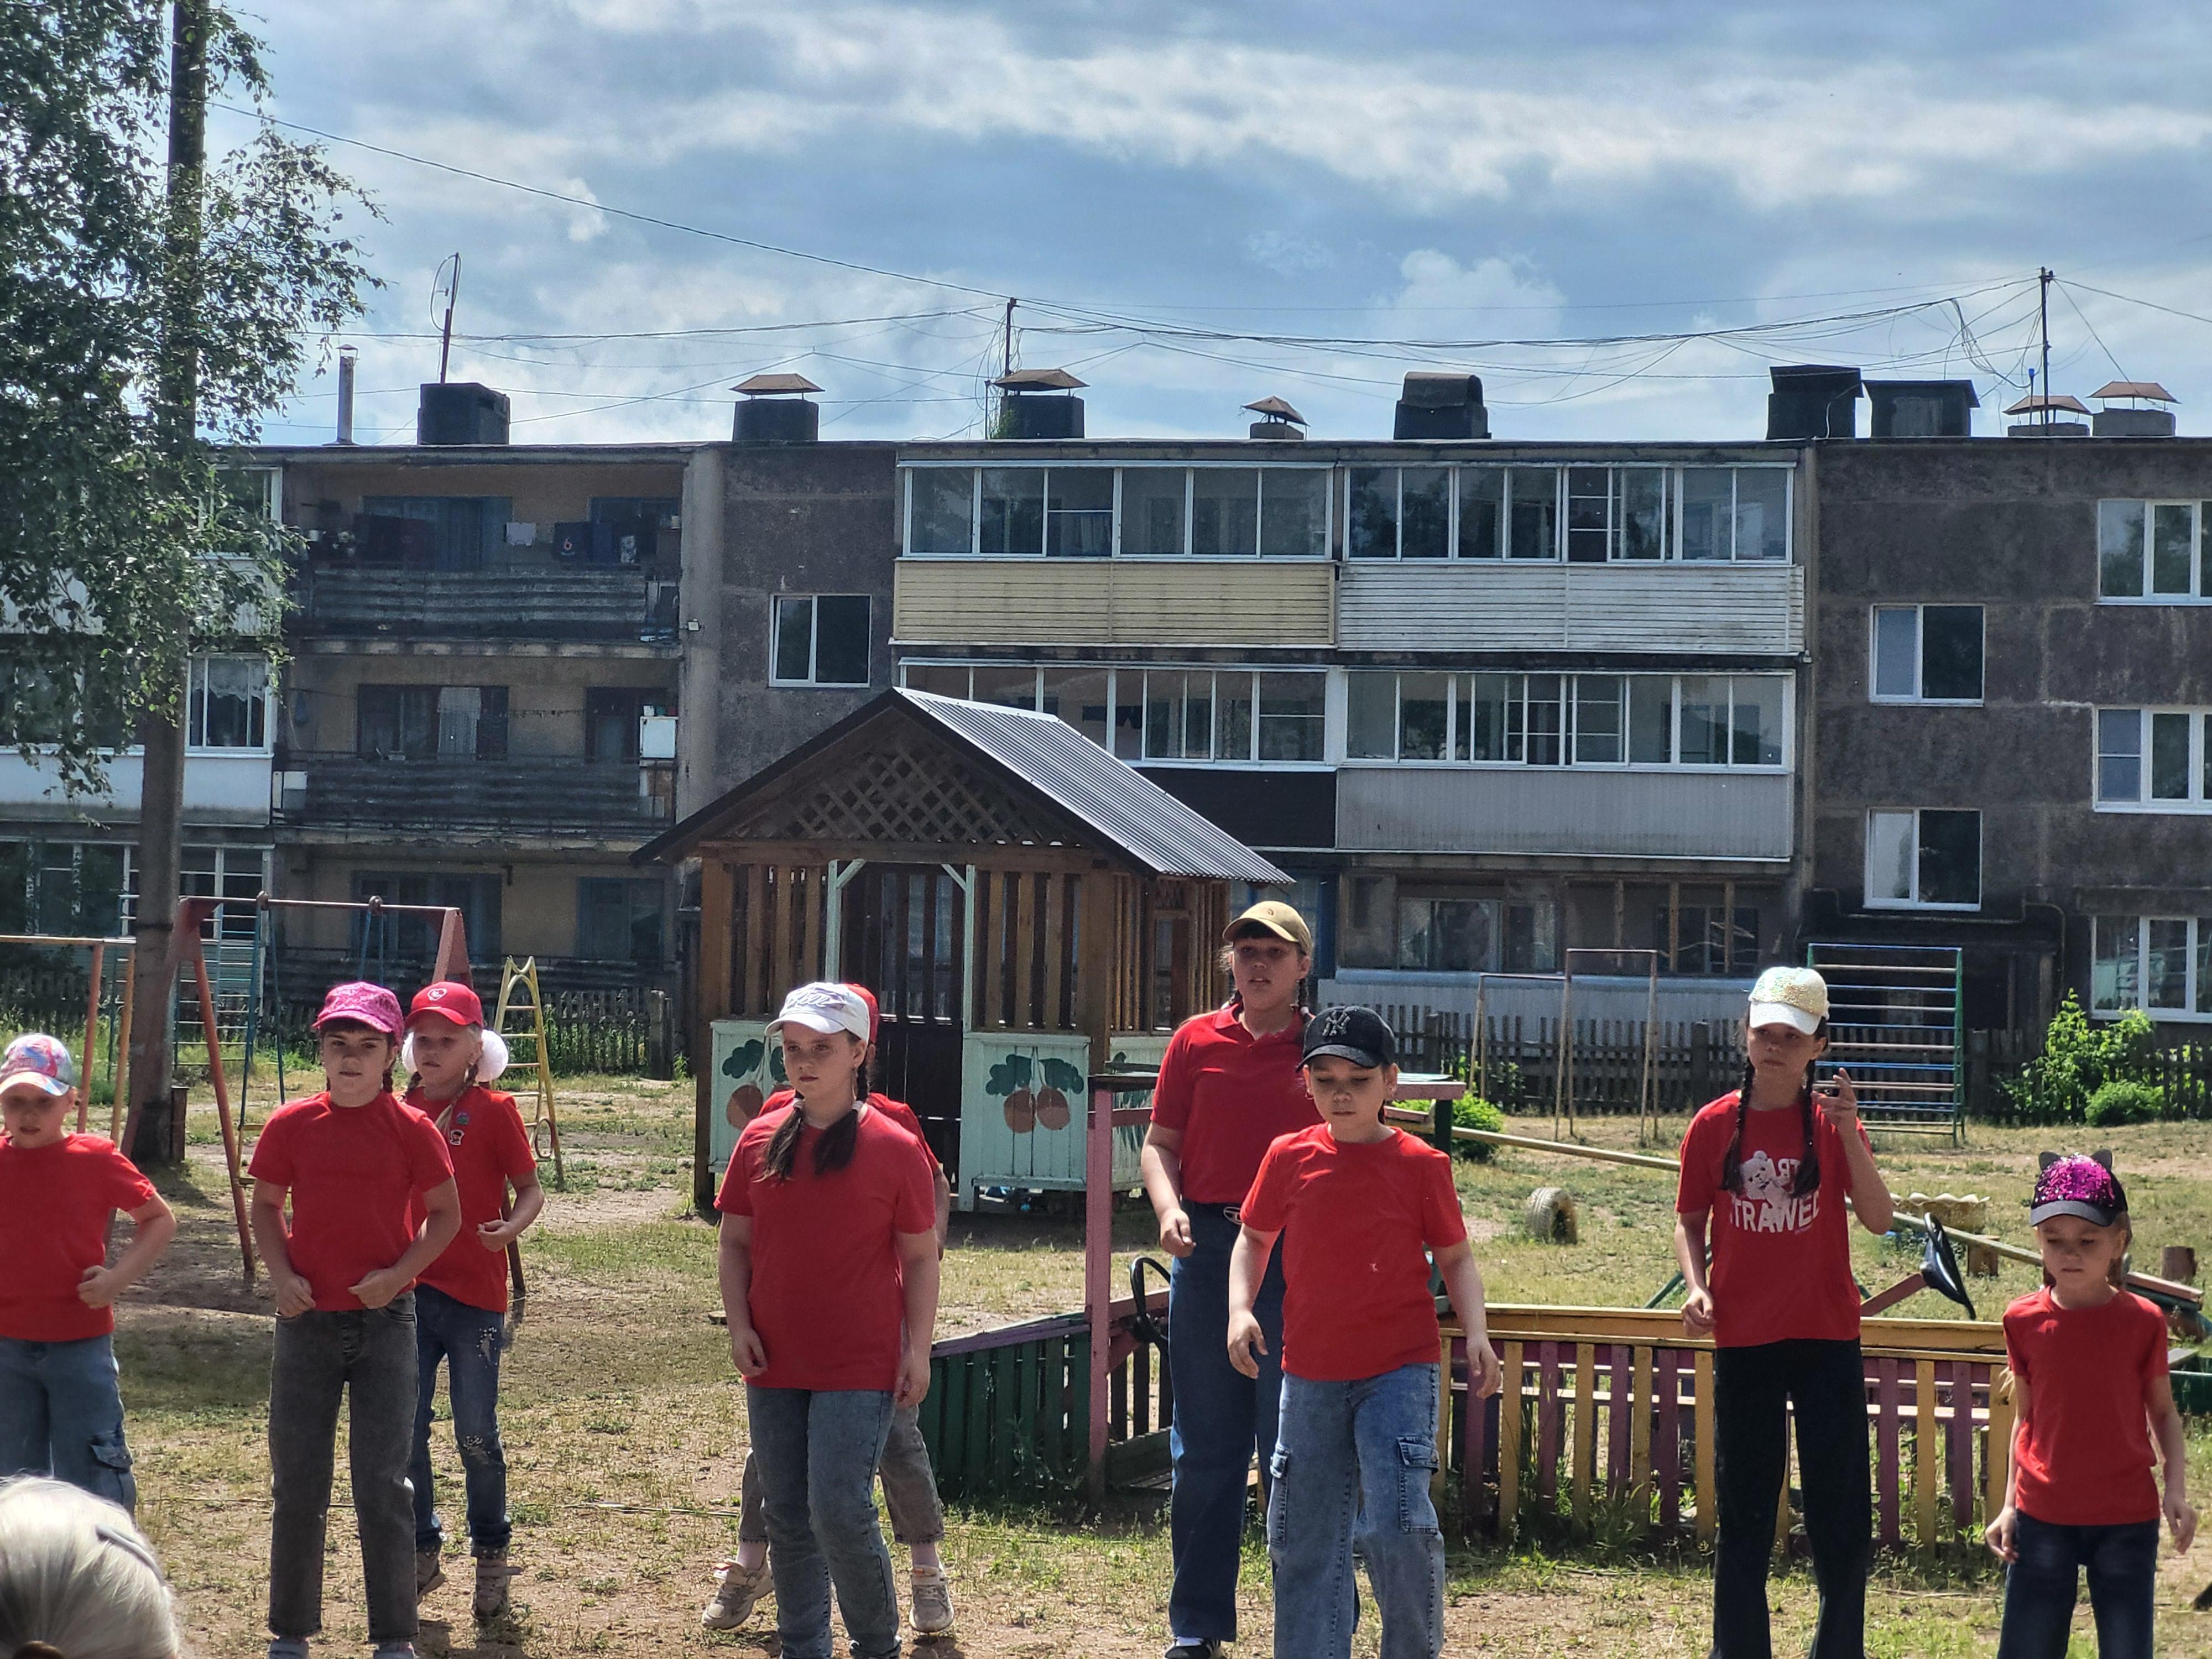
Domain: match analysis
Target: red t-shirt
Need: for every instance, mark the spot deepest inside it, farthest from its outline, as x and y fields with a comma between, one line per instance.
x=54, y=1205
x=489, y=1148
x=1355, y=1300
x=898, y=1110
x=827, y=1296
x=1781, y=1266
x=2085, y=1458
x=1230, y=1094
x=354, y=1174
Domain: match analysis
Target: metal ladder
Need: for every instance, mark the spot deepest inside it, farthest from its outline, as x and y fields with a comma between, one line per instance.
x=1895, y=1022
x=544, y=1126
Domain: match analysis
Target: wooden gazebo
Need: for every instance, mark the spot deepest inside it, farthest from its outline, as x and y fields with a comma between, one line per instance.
x=1026, y=908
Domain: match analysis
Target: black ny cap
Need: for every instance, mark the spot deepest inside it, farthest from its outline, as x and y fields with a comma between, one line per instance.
x=1358, y=1035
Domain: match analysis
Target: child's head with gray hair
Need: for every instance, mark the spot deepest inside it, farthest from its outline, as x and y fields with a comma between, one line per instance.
x=78, y=1576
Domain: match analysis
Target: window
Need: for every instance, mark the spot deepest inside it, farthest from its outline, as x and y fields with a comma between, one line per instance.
x=611, y=717
x=2161, y=964
x=1928, y=859
x=1532, y=512
x=619, y=921
x=1178, y=716
x=1293, y=723
x=2157, y=759
x=231, y=875
x=61, y=887
x=627, y=528
x=425, y=722
x=2153, y=551
x=1707, y=938
x=1927, y=653
x=228, y=707
x=821, y=640
x=1462, y=934
x=1577, y=719
x=1135, y=512
x=398, y=946
x=444, y=532
x=1593, y=515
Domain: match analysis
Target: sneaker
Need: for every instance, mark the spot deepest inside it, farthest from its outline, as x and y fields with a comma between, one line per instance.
x=1209, y=1649
x=933, y=1603
x=393, y=1650
x=428, y=1572
x=289, y=1647
x=489, y=1602
x=735, y=1597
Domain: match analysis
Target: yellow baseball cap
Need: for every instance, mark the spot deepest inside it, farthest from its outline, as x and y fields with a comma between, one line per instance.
x=1275, y=917
x=1796, y=997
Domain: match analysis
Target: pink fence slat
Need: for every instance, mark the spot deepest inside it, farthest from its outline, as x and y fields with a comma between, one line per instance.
x=1474, y=1438
x=1959, y=1462
x=1667, y=1444
x=1550, y=1412
x=1886, y=1415
x=1620, y=1411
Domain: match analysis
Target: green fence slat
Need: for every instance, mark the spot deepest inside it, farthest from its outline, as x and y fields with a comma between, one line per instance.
x=1006, y=1423
x=1028, y=1415
x=976, y=1459
x=1052, y=1421
x=1078, y=1400
x=947, y=1456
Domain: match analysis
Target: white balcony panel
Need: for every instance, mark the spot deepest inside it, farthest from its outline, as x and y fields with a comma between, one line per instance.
x=1465, y=606
x=221, y=787
x=1564, y=811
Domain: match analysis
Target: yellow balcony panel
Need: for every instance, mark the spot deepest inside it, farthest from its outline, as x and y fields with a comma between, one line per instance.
x=1112, y=602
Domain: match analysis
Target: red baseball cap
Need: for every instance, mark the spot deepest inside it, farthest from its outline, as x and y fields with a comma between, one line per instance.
x=875, y=1014
x=448, y=1000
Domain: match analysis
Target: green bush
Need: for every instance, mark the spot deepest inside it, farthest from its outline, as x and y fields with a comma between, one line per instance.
x=2079, y=1058
x=2122, y=1101
x=1471, y=1111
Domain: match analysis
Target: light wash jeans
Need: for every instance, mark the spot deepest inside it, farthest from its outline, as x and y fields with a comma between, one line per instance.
x=61, y=1414
x=1352, y=1466
x=817, y=1454
x=468, y=1340
x=909, y=1487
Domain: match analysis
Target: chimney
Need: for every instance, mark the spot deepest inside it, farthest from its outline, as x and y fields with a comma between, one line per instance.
x=1278, y=420
x=1433, y=406
x=1922, y=409
x=2133, y=421
x=1812, y=400
x=345, y=394
x=1039, y=402
x=460, y=412
x=2040, y=408
x=774, y=408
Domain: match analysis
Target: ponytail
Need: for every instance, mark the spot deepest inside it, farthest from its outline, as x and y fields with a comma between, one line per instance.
x=833, y=1150
x=1808, y=1177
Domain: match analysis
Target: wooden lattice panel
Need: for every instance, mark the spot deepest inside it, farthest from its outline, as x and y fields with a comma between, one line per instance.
x=904, y=795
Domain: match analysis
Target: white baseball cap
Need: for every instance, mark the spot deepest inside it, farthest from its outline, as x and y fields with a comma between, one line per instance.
x=824, y=1007
x=1796, y=997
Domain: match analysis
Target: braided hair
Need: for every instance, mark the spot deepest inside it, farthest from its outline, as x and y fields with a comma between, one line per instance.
x=1808, y=1177
x=832, y=1151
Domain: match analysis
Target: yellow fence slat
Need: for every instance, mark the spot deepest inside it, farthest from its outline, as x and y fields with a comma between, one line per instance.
x=1997, y=1461
x=1701, y=1411
x=1926, y=1456
x=1639, y=1436
x=1509, y=1444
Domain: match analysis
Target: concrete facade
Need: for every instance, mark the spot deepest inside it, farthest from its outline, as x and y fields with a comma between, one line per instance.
x=2009, y=525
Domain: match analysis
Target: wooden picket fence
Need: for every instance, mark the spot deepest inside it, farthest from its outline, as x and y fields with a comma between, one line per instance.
x=628, y=1032
x=2182, y=1074
x=1605, y=1427
x=1695, y=1060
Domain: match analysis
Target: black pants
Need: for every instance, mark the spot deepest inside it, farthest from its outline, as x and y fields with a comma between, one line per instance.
x=1752, y=1388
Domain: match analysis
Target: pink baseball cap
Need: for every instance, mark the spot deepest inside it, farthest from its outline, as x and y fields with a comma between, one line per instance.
x=34, y=1057
x=364, y=1004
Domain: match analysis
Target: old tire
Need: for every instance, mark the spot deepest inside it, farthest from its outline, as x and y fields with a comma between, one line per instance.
x=1550, y=1214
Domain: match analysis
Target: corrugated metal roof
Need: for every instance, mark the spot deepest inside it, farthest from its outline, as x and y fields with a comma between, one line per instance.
x=1127, y=808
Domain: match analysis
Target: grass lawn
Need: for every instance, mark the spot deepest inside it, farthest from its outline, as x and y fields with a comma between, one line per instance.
x=624, y=1429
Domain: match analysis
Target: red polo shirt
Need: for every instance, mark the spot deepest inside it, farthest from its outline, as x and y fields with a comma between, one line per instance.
x=1230, y=1094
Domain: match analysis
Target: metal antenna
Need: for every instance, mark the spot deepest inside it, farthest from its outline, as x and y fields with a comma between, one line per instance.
x=2043, y=314
x=450, y=288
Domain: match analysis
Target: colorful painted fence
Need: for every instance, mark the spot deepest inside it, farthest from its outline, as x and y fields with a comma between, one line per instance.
x=1605, y=1425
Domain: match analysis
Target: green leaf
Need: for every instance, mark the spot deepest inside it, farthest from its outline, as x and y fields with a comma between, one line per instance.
x=1009, y=1074
x=1060, y=1075
x=744, y=1059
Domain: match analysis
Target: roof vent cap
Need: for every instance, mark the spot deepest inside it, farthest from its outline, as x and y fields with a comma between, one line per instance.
x=1278, y=420
x=2041, y=407
x=1812, y=400
x=1921, y=409
x=1039, y=402
x=2133, y=420
x=775, y=409
x=460, y=412
x=1441, y=404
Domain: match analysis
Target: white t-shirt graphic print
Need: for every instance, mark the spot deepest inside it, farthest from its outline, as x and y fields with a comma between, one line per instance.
x=1766, y=1205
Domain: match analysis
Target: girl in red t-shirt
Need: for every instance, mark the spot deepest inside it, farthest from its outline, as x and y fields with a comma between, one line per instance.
x=829, y=1264
x=2089, y=1384
x=1765, y=1172
x=461, y=1306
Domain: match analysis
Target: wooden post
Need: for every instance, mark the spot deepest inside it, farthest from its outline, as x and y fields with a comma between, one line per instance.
x=1585, y=1434
x=453, y=949
x=1639, y=1433
x=1925, y=1453
x=2176, y=1262
x=1997, y=1457
x=1098, y=1271
x=92, y=1040
x=1509, y=1444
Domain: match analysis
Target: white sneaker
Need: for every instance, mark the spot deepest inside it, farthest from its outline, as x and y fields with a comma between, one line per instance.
x=735, y=1597
x=932, y=1613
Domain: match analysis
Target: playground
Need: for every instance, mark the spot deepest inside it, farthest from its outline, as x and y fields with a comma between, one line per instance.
x=625, y=1428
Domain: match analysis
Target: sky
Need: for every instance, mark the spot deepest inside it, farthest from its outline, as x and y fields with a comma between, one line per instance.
x=1618, y=215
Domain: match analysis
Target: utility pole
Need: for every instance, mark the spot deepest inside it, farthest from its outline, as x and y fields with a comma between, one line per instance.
x=452, y=294
x=161, y=732
x=2043, y=315
x=1006, y=358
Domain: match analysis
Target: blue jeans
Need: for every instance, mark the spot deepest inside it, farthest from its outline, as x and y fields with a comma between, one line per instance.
x=1222, y=1418
x=817, y=1454
x=61, y=1414
x=1351, y=1470
x=468, y=1340
x=2039, y=1587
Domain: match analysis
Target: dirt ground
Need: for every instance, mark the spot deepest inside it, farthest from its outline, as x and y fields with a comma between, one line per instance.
x=624, y=1428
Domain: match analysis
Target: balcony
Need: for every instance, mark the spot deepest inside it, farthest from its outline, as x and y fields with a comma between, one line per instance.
x=221, y=785
x=518, y=601
x=1165, y=602
x=1565, y=811
x=1470, y=605
x=567, y=800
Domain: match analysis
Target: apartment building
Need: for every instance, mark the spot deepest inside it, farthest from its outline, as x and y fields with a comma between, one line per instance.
x=2013, y=680
x=481, y=701
x=1486, y=701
